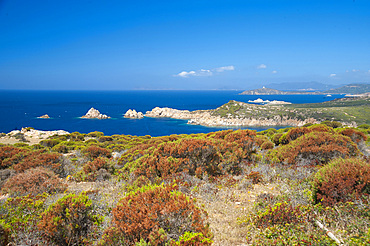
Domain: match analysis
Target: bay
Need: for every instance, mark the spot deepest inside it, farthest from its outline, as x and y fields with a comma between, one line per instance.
x=21, y=108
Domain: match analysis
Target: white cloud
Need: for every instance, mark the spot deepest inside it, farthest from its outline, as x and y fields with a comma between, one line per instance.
x=227, y=68
x=333, y=75
x=355, y=70
x=262, y=66
x=204, y=72
x=274, y=72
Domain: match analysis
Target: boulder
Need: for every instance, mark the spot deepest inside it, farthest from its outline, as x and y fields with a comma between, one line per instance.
x=94, y=114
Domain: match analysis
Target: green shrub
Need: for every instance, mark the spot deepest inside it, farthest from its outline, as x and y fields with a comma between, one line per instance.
x=49, y=143
x=314, y=148
x=342, y=180
x=70, y=221
x=332, y=124
x=95, y=134
x=19, y=215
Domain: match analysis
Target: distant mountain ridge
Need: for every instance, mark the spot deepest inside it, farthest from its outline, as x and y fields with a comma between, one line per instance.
x=347, y=89
x=350, y=89
x=299, y=86
x=269, y=91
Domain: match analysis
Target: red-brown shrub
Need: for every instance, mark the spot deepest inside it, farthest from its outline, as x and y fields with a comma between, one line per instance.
x=293, y=134
x=94, y=152
x=256, y=177
x=356, y=135
x=342, y=180
x=8, y=154
x=32, y=182
x=39, y=158
x=91, y=169
x=156, y=215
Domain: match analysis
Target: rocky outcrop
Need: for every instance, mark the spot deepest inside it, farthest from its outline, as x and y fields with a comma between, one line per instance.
x=205, y=118
x=158, y=112
x=132, y=114
x=208, y=120
x=94, y=114
x=32, y=133
x=278, y=103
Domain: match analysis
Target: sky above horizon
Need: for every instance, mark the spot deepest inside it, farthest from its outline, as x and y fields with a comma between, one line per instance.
x=204, y=44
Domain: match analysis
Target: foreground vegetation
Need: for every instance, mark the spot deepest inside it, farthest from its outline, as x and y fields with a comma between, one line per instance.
x=277, y=187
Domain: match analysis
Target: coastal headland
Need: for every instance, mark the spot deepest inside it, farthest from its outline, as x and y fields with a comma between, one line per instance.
x=349, y=111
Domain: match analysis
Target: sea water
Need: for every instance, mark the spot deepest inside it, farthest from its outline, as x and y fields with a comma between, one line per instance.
x=21, y=108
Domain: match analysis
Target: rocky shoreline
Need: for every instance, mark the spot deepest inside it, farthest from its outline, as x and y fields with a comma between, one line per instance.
x=205, y=118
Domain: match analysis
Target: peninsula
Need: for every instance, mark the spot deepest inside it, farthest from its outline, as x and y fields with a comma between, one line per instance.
x=349, y=111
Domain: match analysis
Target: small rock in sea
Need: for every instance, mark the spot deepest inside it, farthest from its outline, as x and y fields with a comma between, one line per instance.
x=45, y=116
x=133, y=114
x=94, y=114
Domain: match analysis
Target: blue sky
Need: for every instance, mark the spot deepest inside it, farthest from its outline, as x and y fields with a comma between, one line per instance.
x=120, y=45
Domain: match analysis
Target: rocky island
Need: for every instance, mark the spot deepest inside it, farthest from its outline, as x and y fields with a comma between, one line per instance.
x=94, y=114
x=132, y=114
x=45, y=116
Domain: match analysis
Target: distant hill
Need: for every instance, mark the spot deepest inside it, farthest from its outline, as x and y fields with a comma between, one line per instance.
x=301, y=86
x=263, y=91
x=350, y=89
x=269, y=91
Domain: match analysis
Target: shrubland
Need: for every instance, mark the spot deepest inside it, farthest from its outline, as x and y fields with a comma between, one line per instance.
x=276, y=187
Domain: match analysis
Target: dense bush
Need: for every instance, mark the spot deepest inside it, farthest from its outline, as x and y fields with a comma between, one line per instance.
x=76, y=136
x=356, y=135
x=95, y=134
x=342, y=180
x=94, y=152
x=212, y=154
x=70, y=221
x=19, y=216
x=314, y=148
x=332, y=124
x=37, y=158
x=50, y=143
x=103, y=139
x=33, y=181
x=281, y=213
x=293, y=134
x=157, y=215
x=9, y=152
x=91, y=169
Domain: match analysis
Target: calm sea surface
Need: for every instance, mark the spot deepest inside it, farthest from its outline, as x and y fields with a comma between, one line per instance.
x=21, y=108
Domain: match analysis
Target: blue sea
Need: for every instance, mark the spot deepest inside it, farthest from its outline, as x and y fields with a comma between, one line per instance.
x=21, y=108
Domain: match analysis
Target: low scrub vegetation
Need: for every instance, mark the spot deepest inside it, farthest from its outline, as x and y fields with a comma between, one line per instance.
x=234, y=187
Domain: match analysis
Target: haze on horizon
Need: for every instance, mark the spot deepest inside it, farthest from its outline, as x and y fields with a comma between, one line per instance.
x=121, y=45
